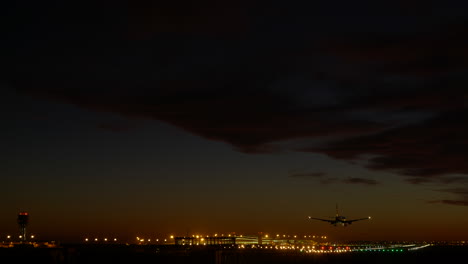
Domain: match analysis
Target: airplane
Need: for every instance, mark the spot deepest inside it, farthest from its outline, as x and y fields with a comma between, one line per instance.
x=339, y=219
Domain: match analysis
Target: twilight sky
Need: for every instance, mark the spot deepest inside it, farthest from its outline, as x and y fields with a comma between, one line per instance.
x=141, y=118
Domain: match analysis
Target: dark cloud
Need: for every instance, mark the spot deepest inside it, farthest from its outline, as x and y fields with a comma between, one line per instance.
x=115, y=127
x=323, y=178
x=451, y=202
x=329, y=180
x=426, y=55
x=430, y=151
x=360, y=181
x=248, y=120
x=308, y=175
x=390, y=88
x=460, y=192
x=418, y=180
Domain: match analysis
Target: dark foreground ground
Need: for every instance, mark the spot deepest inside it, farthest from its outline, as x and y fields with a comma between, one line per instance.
x=71, y=254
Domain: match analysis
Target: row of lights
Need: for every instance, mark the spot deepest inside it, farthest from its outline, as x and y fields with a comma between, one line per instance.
x=9, y=237
x=295, y=236
x=115, y=239
x=200, y=236
x=149, y=240
x=266, y=236
x=312, y=249
x=381, y=250
x=97, y=240
x=305, y=249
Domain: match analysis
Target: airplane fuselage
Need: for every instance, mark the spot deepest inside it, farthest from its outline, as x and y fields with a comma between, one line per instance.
x=340, y=220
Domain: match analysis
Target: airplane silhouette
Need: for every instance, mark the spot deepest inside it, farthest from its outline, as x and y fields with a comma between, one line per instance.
x=339, y=219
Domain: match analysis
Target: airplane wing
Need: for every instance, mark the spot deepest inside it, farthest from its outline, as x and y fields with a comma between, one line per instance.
x=325, y=220
x=354, y=220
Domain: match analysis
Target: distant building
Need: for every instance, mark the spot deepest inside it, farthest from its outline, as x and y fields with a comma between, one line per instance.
x=244, y=240
x=23, y=220
x=205, y=241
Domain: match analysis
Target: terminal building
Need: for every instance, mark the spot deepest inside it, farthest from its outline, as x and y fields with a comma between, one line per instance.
x=205, y=241
x=248, y=240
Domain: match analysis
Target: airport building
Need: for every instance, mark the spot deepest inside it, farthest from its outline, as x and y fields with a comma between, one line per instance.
x=247, y=240
x=205, y=240
x=23, y=220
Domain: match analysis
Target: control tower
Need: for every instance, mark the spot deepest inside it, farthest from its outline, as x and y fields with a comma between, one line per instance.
x=23, y=219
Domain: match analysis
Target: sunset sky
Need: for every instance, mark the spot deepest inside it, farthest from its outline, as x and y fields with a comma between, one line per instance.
x=141, y=118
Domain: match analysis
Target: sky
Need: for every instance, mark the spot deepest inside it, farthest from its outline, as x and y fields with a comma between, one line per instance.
x=143, y=118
